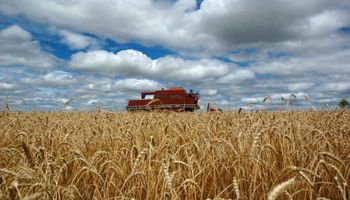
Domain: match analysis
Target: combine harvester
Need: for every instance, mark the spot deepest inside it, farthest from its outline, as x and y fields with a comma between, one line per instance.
x=175, y=99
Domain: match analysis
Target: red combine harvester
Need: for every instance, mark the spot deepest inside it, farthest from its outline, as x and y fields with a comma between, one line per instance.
x=176, y=99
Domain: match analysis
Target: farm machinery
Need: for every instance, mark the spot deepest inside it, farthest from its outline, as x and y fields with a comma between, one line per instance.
x=175, y=99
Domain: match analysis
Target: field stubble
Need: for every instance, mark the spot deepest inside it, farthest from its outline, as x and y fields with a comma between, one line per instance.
x=161, y=155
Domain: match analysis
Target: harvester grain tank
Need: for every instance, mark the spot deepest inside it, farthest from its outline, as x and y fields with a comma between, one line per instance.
x=175, y=98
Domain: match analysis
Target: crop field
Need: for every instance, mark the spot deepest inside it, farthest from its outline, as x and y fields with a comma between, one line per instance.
x=166, y=155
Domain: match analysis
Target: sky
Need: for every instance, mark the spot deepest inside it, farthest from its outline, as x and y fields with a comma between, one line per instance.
x=88, y=54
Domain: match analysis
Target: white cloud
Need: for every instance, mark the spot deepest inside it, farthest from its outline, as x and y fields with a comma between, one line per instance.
x=322, y=24
x=336, y=62
x=94, y=84
x=177, y=68
x=123, y=62
x=335, y=86
x=299, y=86
x=68, y=108
x=137, y=85
x=237, y=76
x=15, y=33
x=51, y=79
x=93, y=101
x=249, y=22
x=18, y=48
x=120, y=86
x=59, y=78
x=134, y=63
x=208, y=92
x=6, y=86
x=218, y=25
x=77, y=41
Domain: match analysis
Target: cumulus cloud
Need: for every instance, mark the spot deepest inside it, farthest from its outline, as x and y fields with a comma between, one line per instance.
x=208, y=92
x=322, y=23
x=6, y=86
x=124, y=62
x=134, y=63
x=121, y=86
x=217, y=25
x=18, y=48
x=15, y=33
x=333, y=62
x=137, y=84
x=299, y=86
x=93, y=101
x=52, y=79
x=59, y=78
x=77, y=41
x=176, y=68
x=120, y=20
x=245, y=22
x=335, y=86
x=237, y=76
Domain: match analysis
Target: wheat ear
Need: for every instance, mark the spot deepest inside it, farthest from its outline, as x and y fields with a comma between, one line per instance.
x=280, y=188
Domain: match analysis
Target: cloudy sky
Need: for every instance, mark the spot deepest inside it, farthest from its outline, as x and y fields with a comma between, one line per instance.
x=233, y=52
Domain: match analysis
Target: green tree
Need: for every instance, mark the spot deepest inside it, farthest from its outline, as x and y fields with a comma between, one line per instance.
x=343, y=103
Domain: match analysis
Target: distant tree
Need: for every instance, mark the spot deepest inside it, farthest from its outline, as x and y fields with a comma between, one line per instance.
x=343, y=103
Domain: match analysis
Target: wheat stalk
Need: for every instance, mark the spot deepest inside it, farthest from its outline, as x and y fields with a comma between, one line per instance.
x=235, y=186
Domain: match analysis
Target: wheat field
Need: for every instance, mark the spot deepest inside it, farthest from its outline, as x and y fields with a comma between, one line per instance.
x=168, y=155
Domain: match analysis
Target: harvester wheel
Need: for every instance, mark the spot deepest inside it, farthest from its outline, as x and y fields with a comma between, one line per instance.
x=189, y=109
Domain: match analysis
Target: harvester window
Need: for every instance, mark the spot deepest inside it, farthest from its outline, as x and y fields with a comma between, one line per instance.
x=149, y=96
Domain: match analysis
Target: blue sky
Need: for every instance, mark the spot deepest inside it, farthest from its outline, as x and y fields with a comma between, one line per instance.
x=234, y=53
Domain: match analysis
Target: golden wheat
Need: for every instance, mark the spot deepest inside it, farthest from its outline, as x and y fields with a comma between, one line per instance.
x=169, y=155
